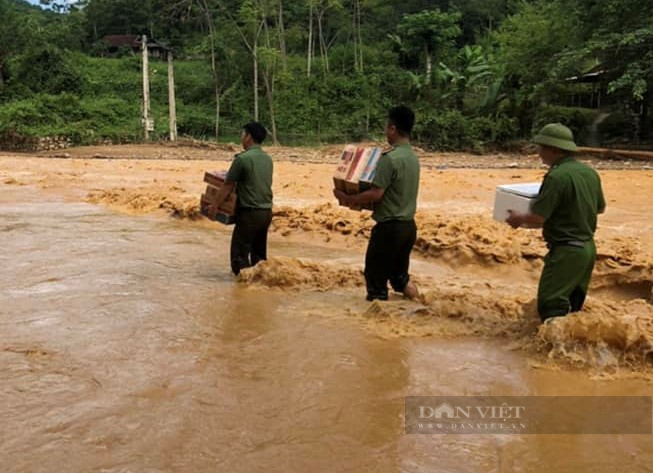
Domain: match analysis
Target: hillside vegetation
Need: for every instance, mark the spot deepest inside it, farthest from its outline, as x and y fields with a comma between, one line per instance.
x=479, y=73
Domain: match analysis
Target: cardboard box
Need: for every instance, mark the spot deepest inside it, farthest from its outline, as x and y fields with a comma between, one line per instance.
x=362, y=179
x=344, y=163
x=355, y=171
x=339, y=184
x=370, y=169
x=226, y=211
x=357, y=168
x=228, y=205
x=517, y=197
x=357, y=164
x=215, y=178
x=225, y=219
x=212, y=212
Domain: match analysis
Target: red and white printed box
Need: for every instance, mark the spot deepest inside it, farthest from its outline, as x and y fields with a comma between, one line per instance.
x=356, y=170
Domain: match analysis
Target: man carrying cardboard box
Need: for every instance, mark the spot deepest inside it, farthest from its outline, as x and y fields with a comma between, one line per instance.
x=252, y=171
x=566, y=208
x=394, y=196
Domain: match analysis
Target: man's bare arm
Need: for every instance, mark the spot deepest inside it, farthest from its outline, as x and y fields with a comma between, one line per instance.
x=516, y=219
x=373, y=195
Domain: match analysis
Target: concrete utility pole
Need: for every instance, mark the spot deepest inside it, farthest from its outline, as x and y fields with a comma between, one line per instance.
x=148, y=125
x=171, y=99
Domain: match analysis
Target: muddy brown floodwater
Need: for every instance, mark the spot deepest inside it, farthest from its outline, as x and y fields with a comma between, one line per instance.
x=126, y=345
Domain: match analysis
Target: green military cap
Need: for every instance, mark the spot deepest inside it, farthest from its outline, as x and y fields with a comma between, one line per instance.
x=556, y=135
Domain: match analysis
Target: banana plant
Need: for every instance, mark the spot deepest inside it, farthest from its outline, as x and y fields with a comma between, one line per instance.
x=471, y=73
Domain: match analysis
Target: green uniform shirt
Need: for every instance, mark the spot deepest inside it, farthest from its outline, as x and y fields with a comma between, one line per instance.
x=252, y=171
x=398, y=174
x=569, y=200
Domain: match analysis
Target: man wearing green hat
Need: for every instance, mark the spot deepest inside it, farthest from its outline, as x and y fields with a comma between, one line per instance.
x=566, y=208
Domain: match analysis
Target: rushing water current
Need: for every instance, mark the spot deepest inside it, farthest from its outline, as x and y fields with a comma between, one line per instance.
x=126, y=346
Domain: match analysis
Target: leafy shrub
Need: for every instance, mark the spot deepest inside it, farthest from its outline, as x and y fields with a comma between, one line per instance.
x=577, y=119
x=197, y=122
x=49, y=70
x=617, y=126
x=85, y=121
x=451, y=130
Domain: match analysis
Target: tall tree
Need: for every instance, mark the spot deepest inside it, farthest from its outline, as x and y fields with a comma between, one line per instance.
x=311, y=41
x=323, y=8
x=481, y=17
x=618, y=34
x=111, y=17
x=207, y=12
x=251, y=24
x=431, y=32
x=10, y=37
x=281, y=28
x=531, y=42
x=357, y=26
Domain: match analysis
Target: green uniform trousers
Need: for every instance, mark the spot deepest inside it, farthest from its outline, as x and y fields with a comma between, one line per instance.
x=249, y=241
x=388, y=257
x=565, y=278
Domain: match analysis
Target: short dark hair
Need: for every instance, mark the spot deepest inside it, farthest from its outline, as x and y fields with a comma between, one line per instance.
x=256, y=131
x=403, y=118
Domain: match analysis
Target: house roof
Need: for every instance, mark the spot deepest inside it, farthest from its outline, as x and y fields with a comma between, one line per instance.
x=593, y=75
x=118, y=40
x=131, y=41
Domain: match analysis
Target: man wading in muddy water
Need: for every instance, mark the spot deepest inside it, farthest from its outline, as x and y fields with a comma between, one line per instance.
x=394, y=195
x=252, y=171
x=566, y=208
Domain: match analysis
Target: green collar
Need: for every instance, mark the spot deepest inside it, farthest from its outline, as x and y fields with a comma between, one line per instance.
x=251, y=148
x=563, y=160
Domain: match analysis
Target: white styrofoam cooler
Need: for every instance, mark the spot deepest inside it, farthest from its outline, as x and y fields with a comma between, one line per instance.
x=517, y=197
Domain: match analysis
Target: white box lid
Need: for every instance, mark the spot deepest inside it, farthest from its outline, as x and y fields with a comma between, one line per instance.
x=530, y=190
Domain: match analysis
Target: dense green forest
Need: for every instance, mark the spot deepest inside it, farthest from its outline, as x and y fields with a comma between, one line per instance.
x=479, y=73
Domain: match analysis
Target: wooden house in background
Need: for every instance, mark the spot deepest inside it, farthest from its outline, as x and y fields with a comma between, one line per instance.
x=116, y=43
